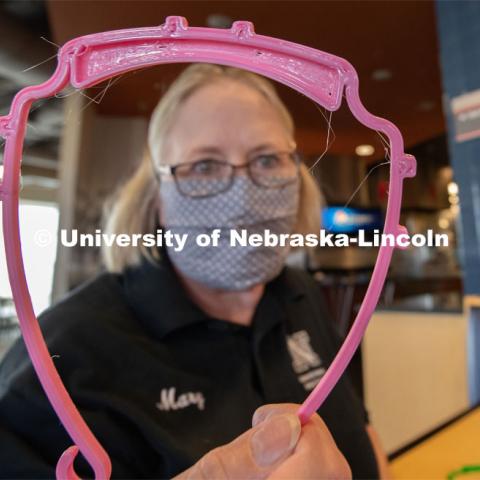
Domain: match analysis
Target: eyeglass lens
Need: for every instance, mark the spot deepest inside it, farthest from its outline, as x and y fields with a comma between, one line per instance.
x=210, y=177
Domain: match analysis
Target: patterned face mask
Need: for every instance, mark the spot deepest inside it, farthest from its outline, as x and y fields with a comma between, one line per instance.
x=243, y=206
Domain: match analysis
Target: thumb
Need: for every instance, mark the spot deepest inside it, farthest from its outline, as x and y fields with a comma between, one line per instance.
x=255, y=454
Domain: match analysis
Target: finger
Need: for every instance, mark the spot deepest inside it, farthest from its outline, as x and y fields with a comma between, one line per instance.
x=253, y=455
x=266, y=411
x=316, y=456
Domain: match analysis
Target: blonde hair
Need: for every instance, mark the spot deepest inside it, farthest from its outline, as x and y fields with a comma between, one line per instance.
x=134, y=210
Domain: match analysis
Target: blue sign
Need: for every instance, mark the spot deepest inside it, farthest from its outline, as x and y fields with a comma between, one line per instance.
x=350, y=220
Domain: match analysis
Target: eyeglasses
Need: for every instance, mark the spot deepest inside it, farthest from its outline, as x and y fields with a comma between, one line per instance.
x=208, y=177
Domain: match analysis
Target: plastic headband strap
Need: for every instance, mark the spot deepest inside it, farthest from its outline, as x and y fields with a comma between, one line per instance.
x=88, y=60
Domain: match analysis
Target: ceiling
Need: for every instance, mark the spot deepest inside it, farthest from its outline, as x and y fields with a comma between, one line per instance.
x=397, y=36
x=22, y=55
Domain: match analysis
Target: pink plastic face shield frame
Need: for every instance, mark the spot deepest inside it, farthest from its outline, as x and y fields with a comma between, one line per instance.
x=86, y=61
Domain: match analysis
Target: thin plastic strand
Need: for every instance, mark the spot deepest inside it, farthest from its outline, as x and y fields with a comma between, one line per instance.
x=40, y=63
x=363, y=181
x=330, y=132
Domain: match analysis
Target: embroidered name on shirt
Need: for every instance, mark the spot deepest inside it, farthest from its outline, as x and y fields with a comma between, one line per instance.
x=168, y=400
x=305, y=361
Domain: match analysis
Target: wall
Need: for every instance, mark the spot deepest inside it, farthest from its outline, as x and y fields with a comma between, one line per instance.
x=97, y=154
x=458, y=26
x=415, y=373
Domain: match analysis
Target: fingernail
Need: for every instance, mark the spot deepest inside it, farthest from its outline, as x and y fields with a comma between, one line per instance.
x=276, y=437
x=258, y=417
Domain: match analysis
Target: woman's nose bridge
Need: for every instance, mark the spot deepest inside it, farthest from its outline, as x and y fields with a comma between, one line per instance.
x=243, y=166
x=240, y=165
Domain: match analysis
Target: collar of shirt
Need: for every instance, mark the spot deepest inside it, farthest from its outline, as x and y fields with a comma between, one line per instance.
x=155, y=293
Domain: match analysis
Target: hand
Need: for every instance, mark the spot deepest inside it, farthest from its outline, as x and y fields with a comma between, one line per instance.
x=276, y=448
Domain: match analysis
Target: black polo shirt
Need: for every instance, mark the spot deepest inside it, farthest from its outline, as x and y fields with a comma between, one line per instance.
x=160, y=383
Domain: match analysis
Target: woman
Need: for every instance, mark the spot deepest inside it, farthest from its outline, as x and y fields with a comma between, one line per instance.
x=170, y=352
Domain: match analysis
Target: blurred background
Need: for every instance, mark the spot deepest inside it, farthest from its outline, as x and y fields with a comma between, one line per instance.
x=419, y=66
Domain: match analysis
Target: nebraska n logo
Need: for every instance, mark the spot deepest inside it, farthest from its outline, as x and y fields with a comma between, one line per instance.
x=305, y=361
